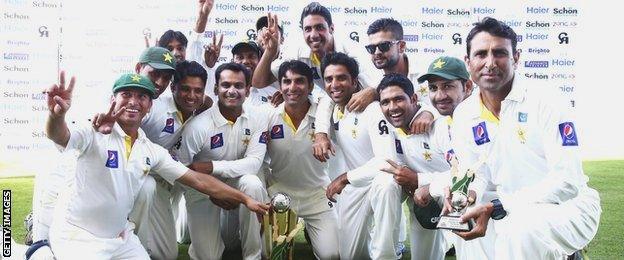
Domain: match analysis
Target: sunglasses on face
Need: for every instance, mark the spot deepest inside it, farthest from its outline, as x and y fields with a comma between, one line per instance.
x=383, y=46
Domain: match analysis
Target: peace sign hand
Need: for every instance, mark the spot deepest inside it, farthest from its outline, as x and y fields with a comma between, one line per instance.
x=59, y=97
x=403, y=175
x=212, y=51
x=104, y=123
x=272, y=36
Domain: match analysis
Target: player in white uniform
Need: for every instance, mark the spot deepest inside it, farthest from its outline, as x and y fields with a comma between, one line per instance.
x=153, y=214
x=367, y=195
x=449, y=84
x=545, y=209
x=92, y=218
x=293, y=168
x=387, y=52
x=422, y=163
x=229, y=143
x=155, y=63
x=318, y=41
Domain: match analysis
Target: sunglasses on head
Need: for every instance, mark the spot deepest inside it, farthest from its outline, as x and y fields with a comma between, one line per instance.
x=383, y=46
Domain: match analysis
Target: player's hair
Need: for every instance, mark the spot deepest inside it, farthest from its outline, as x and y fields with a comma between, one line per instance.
x=233, y=67
x=339, y=58
x=171, y=35
x=493, y=27
x=189, y=69
x=315, y=8
x=386, y=25
x=398, y=80
x=295, y=66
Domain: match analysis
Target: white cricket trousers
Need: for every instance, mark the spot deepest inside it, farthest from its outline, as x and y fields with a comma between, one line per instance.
x=153, y=218
x=376, y=207
x=549, y=231
x=204, y=221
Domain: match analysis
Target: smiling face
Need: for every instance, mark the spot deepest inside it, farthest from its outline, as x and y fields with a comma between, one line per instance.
x=339, y=84
x=318, y=34
x=231, y=89
x=446, y=94
x=491, y=62
x=295, y=88
x=397, y=106
x=188, y=94
x=386, y=59
x=160, y=78
x=137, y=102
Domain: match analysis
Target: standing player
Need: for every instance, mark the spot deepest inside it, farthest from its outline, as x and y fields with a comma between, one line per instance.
x=423, y=164
x=367, y=195
x=229, y=143
x=293, y=169
x=92, y=220
x=544, y=210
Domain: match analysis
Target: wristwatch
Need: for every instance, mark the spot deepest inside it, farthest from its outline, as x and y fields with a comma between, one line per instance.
x=498, y=212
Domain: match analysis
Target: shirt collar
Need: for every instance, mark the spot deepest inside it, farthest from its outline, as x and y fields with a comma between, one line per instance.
x=218, y=118
x=311, y=110
x=120, y=132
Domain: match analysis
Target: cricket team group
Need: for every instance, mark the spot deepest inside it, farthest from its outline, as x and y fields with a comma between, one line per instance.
x=192, y=152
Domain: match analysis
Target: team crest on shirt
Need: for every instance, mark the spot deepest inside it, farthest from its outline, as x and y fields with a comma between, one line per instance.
x=449, y=156
x=264, y=137
x=168, y=126
x=264, y=99
x=522, y=117
x=216, y=141
x=112, y=161
x=277, y=132
x=399, y=148
x=247, y=131
x=425, y=145
x=480, y=134
x=568, y=134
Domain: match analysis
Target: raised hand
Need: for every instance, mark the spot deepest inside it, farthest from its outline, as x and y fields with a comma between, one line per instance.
x=212, y=51
x=104, y=123
x=59, y=96
x=271, y=36
x=205, y=6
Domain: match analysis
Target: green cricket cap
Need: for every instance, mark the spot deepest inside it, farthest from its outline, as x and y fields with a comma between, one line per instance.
x=159, y=58
x=450, y=68
x=135, y=81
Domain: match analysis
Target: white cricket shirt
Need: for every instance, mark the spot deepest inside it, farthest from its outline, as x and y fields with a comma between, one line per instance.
x=531, y=150
x=109, y=174
x=235, y=148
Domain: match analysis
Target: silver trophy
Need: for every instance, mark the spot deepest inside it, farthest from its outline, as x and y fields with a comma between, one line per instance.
x=280, y=227
x=459, y=197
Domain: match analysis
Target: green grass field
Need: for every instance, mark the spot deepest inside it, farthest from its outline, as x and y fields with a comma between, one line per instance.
x=603, y=176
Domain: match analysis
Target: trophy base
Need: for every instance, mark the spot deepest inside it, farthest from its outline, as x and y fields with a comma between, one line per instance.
x=453, y=223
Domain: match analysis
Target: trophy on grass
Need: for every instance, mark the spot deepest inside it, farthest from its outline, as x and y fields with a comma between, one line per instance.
x=459, y=196
x=280, y=227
